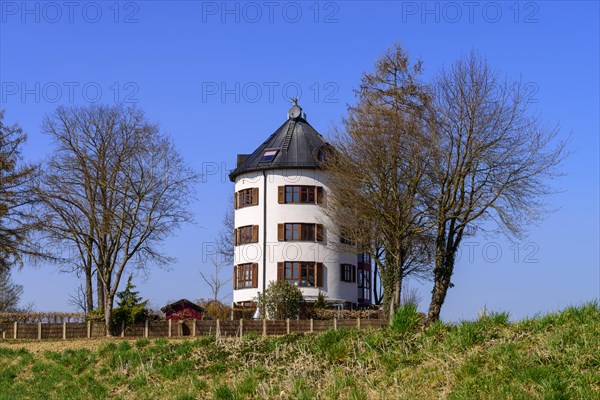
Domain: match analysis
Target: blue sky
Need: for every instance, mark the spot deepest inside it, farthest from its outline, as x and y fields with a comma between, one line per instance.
x=217, y=77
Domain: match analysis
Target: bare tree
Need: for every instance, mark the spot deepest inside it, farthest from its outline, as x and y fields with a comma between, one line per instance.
x=17, y=222
x=214, y=281
x=492, y=162
x=224, y=255
x=79, y=300
x=225, y=247
x=378, y=169
x=115, y=188
x=10, y=292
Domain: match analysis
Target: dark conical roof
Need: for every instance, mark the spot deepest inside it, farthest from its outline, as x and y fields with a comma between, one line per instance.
x=295, y=144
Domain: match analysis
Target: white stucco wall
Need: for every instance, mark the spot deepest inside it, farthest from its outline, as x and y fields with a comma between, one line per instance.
x=324, y=252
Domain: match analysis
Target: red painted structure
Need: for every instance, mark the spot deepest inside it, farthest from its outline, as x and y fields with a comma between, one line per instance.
x=182, y=309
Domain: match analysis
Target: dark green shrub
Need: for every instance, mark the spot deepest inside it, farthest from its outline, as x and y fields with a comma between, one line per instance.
x=282, y=300
x=130, y=307
x=321, y=302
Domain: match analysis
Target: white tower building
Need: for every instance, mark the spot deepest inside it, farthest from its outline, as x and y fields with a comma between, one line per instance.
x=281, y=230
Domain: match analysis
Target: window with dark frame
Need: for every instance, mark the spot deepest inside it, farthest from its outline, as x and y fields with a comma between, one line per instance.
x=300, y=194
x=269, y=155
x=344, y=240
x=364, y=258
x=348, y=273
x=246, y=197
x=364, y=284
x=301, y=273
x=290, y=232
x=245, y=234
x=245, y=276
x=345, y=235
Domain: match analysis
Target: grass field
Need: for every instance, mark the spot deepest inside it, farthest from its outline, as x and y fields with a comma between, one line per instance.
x=556, y=356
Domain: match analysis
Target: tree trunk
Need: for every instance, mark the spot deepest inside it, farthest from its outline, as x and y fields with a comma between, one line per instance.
x=391, y=307
x=99, y=290
x=89, y=293
x=108, y=308
x=399, y=276
x=388, y=278
x=393, y=286
x=395, y=302
x=444, y=267
x=89, y=274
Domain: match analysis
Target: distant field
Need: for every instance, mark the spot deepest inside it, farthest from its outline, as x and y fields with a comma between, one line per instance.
x=556, y=356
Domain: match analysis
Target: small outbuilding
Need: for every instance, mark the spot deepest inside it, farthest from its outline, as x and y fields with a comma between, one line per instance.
x=182, y=309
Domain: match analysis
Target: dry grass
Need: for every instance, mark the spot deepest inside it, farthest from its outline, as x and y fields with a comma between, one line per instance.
x=553, y=357
x=41, y=346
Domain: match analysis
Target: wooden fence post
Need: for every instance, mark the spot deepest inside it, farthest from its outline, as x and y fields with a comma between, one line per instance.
x=64, y=330
x=264, y=327
x=311, y=326
x=122, y=328
x=170, y=326
x=335, y=324
x=89, y=329
x=15, y=327
x=241, y=327
x=358, y=323
x=194, y=327
x=39, y=336
x=146, y=329
x=287, y=326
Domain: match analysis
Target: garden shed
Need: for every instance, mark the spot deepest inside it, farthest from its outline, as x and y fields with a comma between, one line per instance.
x=182, y=309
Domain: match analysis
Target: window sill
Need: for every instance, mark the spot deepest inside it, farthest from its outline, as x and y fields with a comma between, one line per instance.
x=242, y=207
x=301, y=241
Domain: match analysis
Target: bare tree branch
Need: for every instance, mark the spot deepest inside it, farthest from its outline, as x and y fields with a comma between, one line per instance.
x=492, y=162
x=214, y=280
x=79, y=300
x=18, y=220
x=378, y=170
x=115, y=188
x=10, y=292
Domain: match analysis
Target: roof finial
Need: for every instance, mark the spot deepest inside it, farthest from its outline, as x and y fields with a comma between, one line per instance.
x=295, y=111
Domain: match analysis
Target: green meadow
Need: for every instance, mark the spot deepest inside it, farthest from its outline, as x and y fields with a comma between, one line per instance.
x=554, y=356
